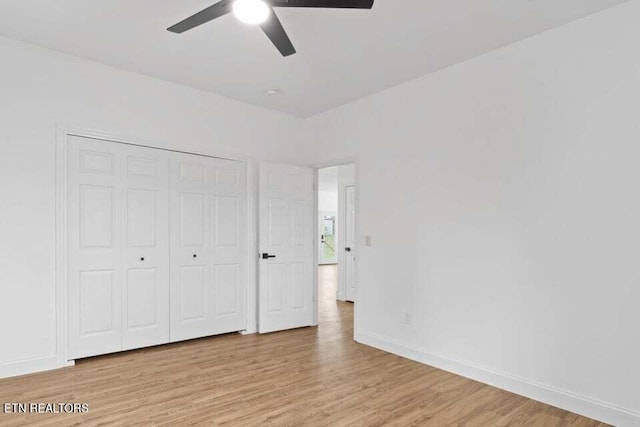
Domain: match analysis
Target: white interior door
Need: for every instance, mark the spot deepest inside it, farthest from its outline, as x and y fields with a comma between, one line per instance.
x=118, y=286
x=208, y=266
x=328, y=237
x=350, y=242
x=156, y=246
x=145, y=294
x=94, y=242
x=286, y=212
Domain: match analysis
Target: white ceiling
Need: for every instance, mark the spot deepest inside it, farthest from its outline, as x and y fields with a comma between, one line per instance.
x=342, y=54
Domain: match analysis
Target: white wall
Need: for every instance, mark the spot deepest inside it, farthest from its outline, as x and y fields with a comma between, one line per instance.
x=502, y=195
x=40, y=89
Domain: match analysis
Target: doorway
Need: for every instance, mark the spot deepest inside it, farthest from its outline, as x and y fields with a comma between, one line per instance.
x=336, y=232
x=300, y=231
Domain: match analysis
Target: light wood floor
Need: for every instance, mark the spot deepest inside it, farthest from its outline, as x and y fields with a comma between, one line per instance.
x=314, y=376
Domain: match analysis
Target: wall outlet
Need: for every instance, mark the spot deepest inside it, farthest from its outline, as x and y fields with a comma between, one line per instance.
x=407, y=319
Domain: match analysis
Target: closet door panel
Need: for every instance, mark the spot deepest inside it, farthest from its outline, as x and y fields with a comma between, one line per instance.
x=118, y=246
x=190, y=248
x=208, y=230
x=157, y=247
x=193, y=293
x=142, y=299
x=228, y=234
x=146, y=248
x=94, y=245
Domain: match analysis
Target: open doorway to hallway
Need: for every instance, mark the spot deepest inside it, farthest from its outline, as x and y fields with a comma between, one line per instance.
x=335, y=318
x=336, y=233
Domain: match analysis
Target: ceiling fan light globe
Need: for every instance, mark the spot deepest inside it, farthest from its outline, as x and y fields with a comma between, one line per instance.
x=252, y=12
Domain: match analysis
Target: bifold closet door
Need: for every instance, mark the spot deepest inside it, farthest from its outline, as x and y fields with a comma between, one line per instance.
x=118, y=247
x=208, y=231
x=146, y=248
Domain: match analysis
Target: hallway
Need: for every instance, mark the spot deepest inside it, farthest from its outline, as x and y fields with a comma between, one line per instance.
x=335, y=317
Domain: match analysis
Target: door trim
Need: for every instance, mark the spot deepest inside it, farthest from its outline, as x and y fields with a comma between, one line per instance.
x=62, y=132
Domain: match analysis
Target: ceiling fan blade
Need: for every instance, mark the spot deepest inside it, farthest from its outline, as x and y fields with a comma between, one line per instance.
x=276, y=33
x=209, y=14
x=332, y=4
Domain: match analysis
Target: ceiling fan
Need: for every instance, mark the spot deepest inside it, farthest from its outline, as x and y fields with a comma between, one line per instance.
x=260, y=12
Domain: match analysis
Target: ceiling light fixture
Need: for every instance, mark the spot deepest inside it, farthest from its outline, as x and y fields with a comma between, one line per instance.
x=252, y=12
x=261, y=12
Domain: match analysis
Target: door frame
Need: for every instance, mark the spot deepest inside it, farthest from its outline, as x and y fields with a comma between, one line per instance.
x=331, y=163
x=63, y=131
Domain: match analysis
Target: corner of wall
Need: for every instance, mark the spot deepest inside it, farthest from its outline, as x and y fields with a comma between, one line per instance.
x=563, y=399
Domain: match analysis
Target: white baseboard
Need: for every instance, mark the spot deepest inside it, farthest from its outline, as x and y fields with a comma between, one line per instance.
x=566, y=400
x=30, y=366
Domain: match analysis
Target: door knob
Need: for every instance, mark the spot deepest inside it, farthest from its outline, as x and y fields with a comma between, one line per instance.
x=267, y=256
x=347, y=249
x=195, y=255
x=142, y=259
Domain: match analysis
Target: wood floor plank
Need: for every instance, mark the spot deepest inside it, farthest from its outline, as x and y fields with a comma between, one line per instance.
x=306, y=377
